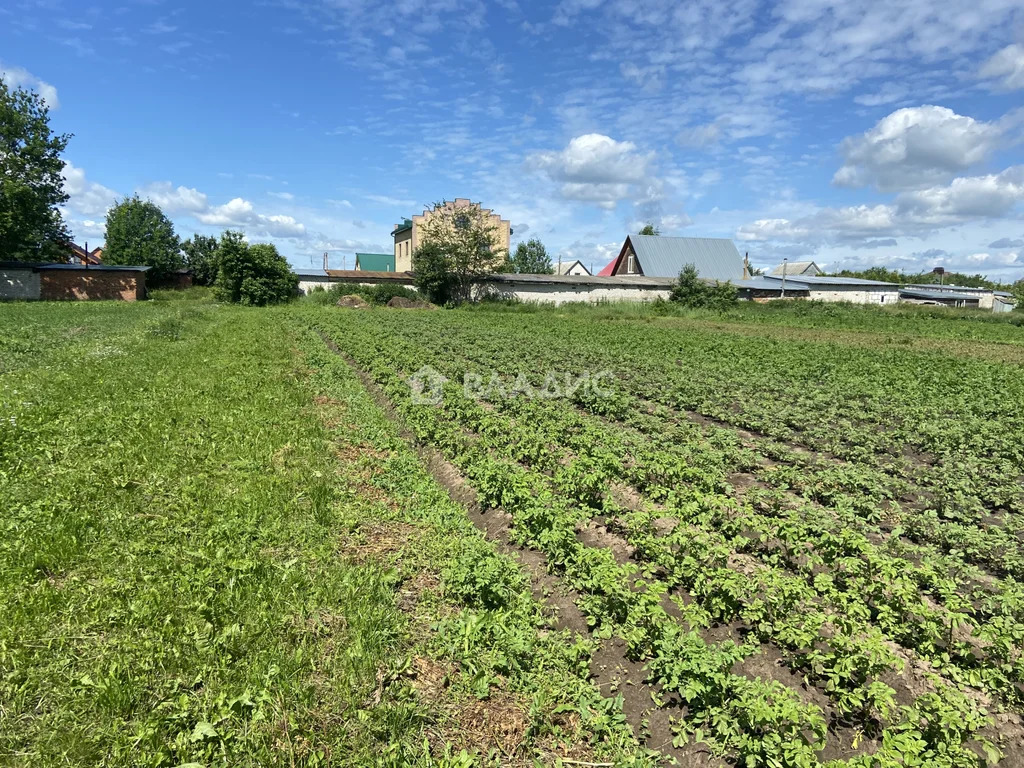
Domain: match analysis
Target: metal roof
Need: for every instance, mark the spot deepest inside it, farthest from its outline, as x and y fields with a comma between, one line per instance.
x=796, y=268
x=715, y=258
x=405, y=225
x=375, y=262
x=564, y=266
x=310, y=272
x=95, y=267
x=918, y=293
x=761, y=283
x=961, y=288
x=813, y=280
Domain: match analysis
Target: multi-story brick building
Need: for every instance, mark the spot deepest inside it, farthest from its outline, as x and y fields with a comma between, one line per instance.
x=408, y=235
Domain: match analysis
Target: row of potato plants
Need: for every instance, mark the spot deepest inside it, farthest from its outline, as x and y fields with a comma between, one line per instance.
x=497, y=480
x=863, y=579
x=951, y=522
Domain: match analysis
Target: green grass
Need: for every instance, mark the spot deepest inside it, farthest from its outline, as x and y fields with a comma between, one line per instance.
x=191, y=565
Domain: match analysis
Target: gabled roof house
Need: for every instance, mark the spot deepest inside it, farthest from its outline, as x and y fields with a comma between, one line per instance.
x=714, y=258
x=797, y=268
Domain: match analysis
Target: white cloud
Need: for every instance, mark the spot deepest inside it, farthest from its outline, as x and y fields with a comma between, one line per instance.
x=594, y=168
x=915, y=147
x=1006, y=66
x=974, y=197
x=86, y=197
x=916, y=213
x=175, y=200
x=240, y=213
x=282, y=195
x=16, y=77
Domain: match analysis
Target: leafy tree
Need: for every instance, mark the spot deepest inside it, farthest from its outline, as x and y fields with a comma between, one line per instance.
x=432, y=270
x=201, y=258
x=650, y=229
x=530, y=258
x=138, y=232
x=692, y=292
x=460, y=245
x=256, y=275
x=1017, y=289
x=925, y=278
x=31, y=180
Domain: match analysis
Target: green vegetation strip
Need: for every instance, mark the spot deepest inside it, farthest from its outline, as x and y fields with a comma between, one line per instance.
x=215, y=550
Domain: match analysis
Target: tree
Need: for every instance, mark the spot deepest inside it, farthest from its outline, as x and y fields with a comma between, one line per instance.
x=460, y=245
x=530, y=258
x=31, y=180
x=433, y=273
x=256, y=275
x=692, y=292
x=649, y=229
x=201, y=258
x=1017, y=289
x=139, y=233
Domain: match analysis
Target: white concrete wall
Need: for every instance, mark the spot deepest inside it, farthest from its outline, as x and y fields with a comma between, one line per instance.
x=554, y=293
x=18, y=283
x=307, y=282
x=855, y=294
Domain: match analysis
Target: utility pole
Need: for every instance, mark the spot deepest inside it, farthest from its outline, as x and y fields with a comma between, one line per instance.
x=785, y=263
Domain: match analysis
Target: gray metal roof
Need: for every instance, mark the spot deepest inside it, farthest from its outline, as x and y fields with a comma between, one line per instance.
x=715, y=258
x=796, y=268
x=813, y=280
x=918, y=293
x=761, y=283
x=961, y=288
x=310, y=272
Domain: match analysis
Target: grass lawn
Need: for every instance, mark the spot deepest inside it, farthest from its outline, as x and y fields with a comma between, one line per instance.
x=216, y=550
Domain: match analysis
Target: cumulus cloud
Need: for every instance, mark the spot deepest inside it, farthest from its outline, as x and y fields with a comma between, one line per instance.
x=973, y=197
x=594, y=168
x=241, y=213
x=86, y=197
x=16, y=77
x=915, y=212
x=175, y=200
x=915, y=147
x=1006, y=67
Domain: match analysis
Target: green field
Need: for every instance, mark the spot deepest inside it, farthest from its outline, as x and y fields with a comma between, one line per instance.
x=774, y=537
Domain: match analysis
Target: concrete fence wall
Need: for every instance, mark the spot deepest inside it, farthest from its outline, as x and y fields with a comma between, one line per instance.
x=19, y=283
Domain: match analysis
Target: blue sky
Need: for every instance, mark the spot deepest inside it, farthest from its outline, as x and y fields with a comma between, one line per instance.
x=854, y=133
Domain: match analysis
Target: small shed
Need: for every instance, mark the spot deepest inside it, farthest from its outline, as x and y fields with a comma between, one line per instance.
x=375, y=262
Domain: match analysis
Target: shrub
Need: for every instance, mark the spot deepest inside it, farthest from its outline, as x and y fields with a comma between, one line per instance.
x=252, y=274
x=692, y=292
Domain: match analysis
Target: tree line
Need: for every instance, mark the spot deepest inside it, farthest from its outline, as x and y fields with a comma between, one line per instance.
x=32, y=226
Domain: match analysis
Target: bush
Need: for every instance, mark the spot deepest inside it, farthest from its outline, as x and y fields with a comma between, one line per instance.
x=256, y=275
x=372, y=294
x=692, y=292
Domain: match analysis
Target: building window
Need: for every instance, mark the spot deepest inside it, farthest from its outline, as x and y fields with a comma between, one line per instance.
x=631, y=264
